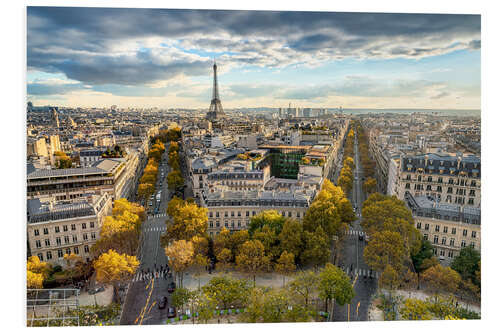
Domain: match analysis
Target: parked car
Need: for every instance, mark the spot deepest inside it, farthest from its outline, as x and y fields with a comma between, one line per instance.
x=171, y=287
x=361, y=237
x=171, y=312
x=162, y=303
x=96, y=290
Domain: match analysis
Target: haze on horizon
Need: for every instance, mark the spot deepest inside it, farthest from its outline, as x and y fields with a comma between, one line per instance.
x=163, y=58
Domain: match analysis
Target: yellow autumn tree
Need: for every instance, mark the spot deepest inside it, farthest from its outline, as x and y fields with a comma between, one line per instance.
x=112, y=268
x=123, y=205
x=37, y=272
x=180, y=256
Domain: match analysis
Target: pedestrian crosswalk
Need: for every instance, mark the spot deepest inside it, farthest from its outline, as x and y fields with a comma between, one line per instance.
x=155, y=229
x=156, y=216
x=143, y=276
x=360, y=272
x=355, y=232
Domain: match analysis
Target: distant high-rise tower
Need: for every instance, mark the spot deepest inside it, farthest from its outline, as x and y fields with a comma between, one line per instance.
x=215, y=111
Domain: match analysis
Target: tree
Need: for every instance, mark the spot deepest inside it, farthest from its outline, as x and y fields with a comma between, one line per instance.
x=349, y=161
x=174, y=180
x=389, y=279
x=303, y=285
x=226, y=291
x=199, y=264
x=181, y=297
x=290, y=237
x=73, y=264
x=334, y=284
x=224, y=258
x=189, y=221
x=36, y=272
x=285, y=264
x=346, y=211
x=222, y=241
x=122, y=223
x=441, y=279
x=206, y=308
x=123, y=205
x=345, y=182
x=271, y=218
x=114, y=268
x=425, y=252
x=200, y=245
x=125, y=242
x=266, y=306
x=174, y=206
x=467, y=263
x=269, y=239
x=180, y=256
x=322, y=212
x=385, y=248
x=415, y=309
x=251, y=259
x=370, y=185
x=236, y=239
x=316, y=248
x=145, y=190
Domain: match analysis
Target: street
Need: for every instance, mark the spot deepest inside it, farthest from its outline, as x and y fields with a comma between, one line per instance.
x=150, y=281
x=351, y=258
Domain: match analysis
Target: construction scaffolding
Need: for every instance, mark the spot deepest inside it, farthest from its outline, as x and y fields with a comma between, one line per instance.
x=52, y=307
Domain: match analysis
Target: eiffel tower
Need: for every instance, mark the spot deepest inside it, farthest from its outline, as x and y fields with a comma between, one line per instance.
x=215, y=112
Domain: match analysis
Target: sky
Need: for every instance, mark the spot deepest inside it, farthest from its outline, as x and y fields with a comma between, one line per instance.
x=98, y=57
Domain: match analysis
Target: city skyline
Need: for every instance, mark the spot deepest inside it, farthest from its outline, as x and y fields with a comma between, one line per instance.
x=309, y=59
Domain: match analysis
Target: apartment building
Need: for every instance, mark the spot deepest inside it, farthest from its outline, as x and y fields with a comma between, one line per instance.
x=448, y=227
x=234, y=209
x=56, y=228
x=450, y=179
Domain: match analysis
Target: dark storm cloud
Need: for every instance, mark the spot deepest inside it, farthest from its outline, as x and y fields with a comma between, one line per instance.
x=96, y=45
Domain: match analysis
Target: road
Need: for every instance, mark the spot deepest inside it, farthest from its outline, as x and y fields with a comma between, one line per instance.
x=150, y=282
x=352, y=257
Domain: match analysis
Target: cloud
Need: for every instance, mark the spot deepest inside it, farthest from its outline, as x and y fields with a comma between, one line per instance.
x=441, y=95
x=105, y=46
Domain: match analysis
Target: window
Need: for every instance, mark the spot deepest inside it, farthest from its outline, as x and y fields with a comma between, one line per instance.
x=465, y=232
x=92, y=235
x=59, y=253
x=75, y=238
x=450, y=254
x=226, y=224
x=464, y=244
x=66, y=239
x=57, y=229
x=211, y=214
x=36, y=232
x=426, y=236
x=45, y=231
x=445, y=229
x=232, y=214
x=65, y=228
x=436, y=239
x=427, y=226
x=473, y=234
x=239, y=214
x=253, y=213
x=211, y=224
x=68, y=251
x=239, y=224
x=216, y=214
x=73, y=227
x=91, y=225
x=49, y=255
x=437, y=228
x=47, y=242
x=471, y=201
x=40, y=255
x=452, y=241
x=217, y=224
x=419, y=225
x=84, y=225
x=38, y=244
x=225, y=214
x=407, y=185
x=289, y=214
x=85, y=237
x=76, y=250
x=443, y=240
x=86, y=249
x=428, y=188
x=232, y=224
x=58, y=240
x=473, y=245
x=453, y=231
x=441, y=253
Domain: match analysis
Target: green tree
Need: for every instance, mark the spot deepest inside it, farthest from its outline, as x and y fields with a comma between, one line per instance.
x=269, y=239
x=389, y=279
x=226, y=291
x=181, y=297
x=467, y=263
x=334, y=285
x=285, y=265
x=271, y=218
x=174, y=180
x=291, y=237
x=303, y=286
x=385, y=248
x=252, y=259
x=316, y=249
x=322, y=213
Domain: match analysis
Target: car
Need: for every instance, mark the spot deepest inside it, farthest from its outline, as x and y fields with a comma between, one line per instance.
x=156, y=210
x=150, y=203
x=171, y=313
x=96, y=290
x=171, y=287
x=162, y=303
x=360, y=237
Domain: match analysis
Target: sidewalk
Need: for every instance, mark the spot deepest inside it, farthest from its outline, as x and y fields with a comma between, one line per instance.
x=263, y=279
